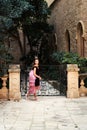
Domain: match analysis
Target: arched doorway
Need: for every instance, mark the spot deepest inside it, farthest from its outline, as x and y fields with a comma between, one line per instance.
x=67, y=37
x=80, y=39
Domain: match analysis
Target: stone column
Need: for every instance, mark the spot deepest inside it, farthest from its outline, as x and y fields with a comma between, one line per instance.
x=82, y=89
x=72, y=81
x=4, y=90
x=14, y=82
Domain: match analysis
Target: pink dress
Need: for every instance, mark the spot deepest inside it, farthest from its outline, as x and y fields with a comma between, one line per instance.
x=32, y=87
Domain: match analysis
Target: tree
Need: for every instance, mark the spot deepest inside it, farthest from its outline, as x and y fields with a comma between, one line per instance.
x=31, y=16
x=37, y=29
x=5, y=59
x=10, y=17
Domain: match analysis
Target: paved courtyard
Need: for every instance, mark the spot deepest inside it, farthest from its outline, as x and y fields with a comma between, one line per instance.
x=48, y=113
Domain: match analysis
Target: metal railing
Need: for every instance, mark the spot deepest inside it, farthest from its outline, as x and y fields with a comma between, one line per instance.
x=54, y=80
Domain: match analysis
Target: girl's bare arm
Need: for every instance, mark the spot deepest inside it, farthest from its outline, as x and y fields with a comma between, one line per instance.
x=36, y=74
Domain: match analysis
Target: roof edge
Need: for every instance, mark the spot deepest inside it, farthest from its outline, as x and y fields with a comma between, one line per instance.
x=53, y=3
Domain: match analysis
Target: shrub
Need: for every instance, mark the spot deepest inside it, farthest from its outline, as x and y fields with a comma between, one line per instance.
x=69, y=58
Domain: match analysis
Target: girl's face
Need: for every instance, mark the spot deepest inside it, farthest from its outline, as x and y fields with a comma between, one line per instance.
x=36, y=62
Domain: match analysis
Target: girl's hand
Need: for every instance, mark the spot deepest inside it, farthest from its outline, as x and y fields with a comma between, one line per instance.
x=40, y=78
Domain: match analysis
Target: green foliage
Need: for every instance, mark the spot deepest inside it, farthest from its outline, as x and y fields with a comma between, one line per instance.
x=35, y=26
x=30, y=15
x=57, y=57
x=5, y=59
x=69, y=58
x=14, y=8
x=11, y=12
x=37, y=29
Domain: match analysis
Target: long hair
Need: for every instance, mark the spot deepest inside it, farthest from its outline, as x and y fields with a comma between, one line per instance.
x=33, y=64
x=36, y=58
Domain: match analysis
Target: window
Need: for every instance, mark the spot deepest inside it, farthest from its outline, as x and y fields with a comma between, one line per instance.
x=80, y=40
x=67, y=36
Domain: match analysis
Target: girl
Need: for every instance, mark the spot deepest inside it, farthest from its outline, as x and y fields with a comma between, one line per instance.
x=36, y=86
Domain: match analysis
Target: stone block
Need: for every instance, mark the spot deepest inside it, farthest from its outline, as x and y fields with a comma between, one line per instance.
x=4, y=93
x=72, y=81
x=14, y=82
x=83, y=91
x=4, y=90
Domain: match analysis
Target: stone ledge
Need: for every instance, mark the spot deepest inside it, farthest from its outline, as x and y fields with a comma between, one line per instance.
x=14, y=70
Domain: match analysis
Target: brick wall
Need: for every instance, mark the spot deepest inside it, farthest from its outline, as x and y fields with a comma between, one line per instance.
x=65, y=15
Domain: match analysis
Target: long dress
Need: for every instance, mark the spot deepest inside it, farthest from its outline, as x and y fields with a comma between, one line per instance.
x=34, y=83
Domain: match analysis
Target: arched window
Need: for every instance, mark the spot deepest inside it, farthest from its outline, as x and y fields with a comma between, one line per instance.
x=67, y=37
x=80, y=39
x=53, y=41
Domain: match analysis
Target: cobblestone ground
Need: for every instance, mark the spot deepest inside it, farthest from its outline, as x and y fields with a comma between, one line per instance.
x=48, y=113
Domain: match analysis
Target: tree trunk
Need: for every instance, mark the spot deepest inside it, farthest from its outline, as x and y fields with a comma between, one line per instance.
x=26, y=31
x=20, y=44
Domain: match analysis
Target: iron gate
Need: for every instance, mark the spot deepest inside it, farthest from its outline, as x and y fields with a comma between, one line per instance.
x=53, y=83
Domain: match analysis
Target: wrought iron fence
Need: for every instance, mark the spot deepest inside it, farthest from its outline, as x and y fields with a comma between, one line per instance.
x=54, y=80
x=54, y=75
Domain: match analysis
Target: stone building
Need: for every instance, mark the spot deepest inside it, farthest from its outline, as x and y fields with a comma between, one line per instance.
x=49, y=2
x=69, y=18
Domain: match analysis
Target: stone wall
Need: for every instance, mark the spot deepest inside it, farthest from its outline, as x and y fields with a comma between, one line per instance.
x=84, y=19
x=66, y=15
x=17, y=48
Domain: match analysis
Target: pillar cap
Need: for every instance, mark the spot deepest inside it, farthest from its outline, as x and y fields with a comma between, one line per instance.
x=14, y=68
x=72, y=67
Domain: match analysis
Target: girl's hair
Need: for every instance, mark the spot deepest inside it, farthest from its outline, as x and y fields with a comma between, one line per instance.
x=36, y=58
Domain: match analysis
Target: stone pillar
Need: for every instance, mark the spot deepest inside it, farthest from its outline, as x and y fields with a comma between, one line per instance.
x=82, y=89
x=14, y=82
x=4, y=90
x=72, y=81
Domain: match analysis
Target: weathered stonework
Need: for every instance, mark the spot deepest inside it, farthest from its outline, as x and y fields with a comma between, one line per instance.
x=66, y=15
x=82, y=89
x=4, y=91
x=72, y=81
x=14, y=82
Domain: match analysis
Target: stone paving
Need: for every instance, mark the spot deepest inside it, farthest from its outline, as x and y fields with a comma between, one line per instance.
x=48, y=113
